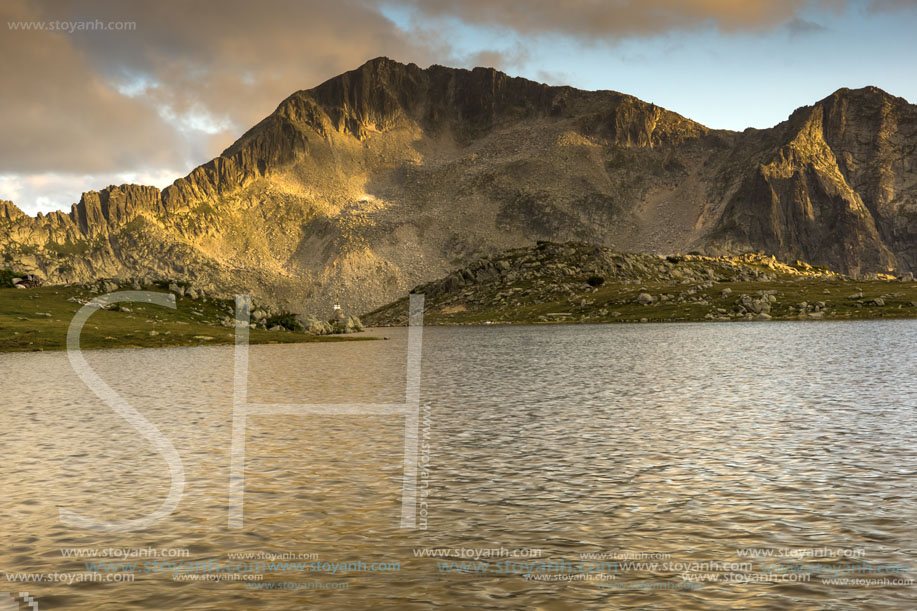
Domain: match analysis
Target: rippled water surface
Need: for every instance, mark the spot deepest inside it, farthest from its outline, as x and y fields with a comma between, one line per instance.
x=682, y=443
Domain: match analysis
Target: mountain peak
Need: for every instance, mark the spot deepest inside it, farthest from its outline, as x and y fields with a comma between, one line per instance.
x=846, y=106
x=9, y=210
x=868, y=90
x=869, y=95
x=380, y=61
x=380, y=68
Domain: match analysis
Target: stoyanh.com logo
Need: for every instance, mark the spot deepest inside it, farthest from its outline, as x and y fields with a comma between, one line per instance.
x=13, y=602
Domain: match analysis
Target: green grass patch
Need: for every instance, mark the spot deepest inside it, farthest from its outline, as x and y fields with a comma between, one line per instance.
x=6, y=277
x=38, y=319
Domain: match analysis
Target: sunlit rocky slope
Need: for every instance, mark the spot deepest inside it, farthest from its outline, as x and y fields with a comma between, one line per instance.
x=390, y=175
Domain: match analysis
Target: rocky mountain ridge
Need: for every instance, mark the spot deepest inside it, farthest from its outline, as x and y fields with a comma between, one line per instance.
x=391, y=175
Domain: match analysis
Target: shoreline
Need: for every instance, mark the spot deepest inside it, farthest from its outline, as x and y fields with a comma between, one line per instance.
x=311, y=340
x=368, y=335
x=37, y=319
x=573, y=323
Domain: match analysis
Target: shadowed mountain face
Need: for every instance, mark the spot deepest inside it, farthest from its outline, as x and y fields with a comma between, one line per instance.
x=389, y=176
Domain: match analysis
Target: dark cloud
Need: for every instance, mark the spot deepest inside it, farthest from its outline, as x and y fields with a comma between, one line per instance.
x=235, y=60
x=59, y=114
x=184, y=82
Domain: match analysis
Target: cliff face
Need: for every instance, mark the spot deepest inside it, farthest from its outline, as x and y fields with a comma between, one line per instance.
x=390, y=175
x=837, y=186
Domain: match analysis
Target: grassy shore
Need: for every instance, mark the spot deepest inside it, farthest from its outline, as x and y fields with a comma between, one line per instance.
x=38, y=318
x=793, y=299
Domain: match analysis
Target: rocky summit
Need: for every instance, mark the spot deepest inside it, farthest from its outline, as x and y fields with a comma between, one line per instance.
x=390, y=176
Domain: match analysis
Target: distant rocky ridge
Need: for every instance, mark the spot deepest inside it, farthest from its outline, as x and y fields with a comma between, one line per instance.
x=390, y=175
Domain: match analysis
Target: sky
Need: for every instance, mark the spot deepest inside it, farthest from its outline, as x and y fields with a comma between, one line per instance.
x=100, y=92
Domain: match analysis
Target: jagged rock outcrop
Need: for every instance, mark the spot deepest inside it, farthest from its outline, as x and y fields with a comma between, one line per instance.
x=841, y=187
x=9, y=211
x=391, y=175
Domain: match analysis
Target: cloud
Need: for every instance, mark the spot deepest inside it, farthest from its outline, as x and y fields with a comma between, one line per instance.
x=501, y=59
x=551, y=77
x=184, y=82
x=801, y=27
x=600, y=19
x=59, y=114
x=235, y=59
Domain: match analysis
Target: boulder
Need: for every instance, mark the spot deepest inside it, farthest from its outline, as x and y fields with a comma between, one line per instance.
x=755, y=305
x=317, y=327
x=452, y=283
x=644, y=299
